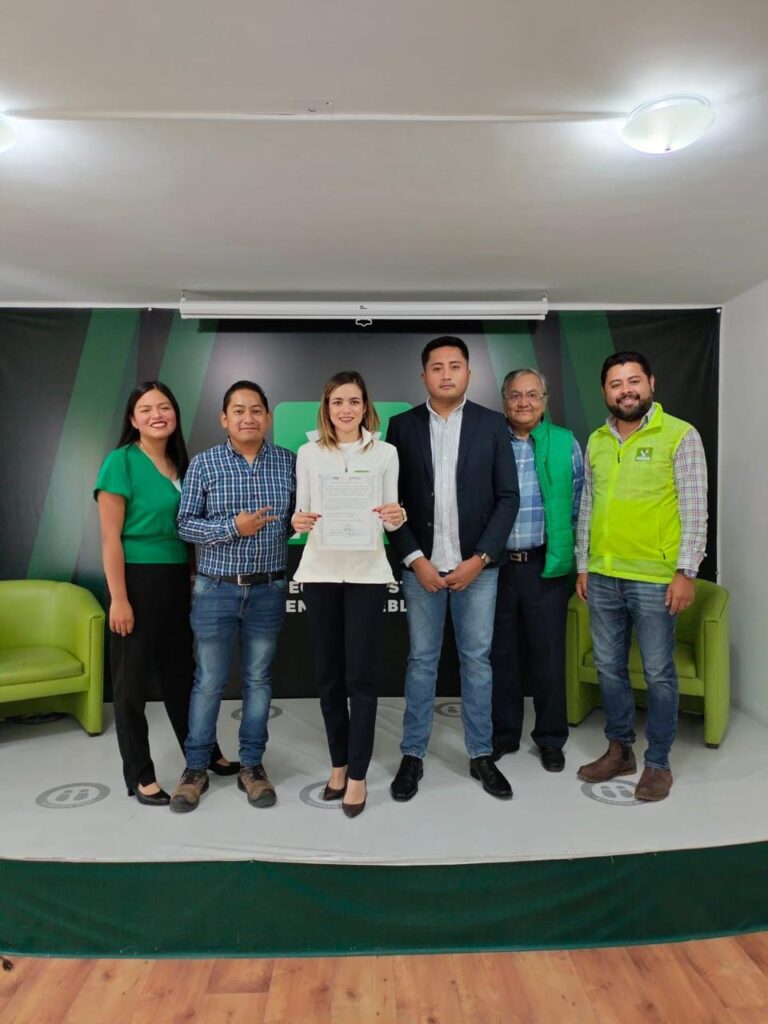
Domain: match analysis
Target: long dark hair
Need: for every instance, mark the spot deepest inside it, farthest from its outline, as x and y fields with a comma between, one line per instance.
x=175, y=448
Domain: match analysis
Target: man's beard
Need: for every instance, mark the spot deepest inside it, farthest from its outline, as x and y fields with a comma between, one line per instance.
x=636, y=412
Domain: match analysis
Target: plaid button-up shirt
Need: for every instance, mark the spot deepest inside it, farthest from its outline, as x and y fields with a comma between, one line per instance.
x=529, y=530
x=220, y=484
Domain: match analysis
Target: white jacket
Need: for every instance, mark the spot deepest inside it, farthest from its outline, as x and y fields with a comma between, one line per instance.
x=313, y=461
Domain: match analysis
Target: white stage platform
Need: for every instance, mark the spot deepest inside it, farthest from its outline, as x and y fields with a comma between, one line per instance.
x=63, y=798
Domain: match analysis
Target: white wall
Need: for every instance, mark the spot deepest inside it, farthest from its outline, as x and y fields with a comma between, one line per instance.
x=744, y=492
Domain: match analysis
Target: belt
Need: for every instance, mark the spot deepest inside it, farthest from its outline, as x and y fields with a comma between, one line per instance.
x=525, y=556
x=247, y=579
x=447, y=572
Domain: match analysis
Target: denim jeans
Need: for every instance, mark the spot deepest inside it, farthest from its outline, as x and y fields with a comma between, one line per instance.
x=615, y=607
x=222, y=612
x=472, y=615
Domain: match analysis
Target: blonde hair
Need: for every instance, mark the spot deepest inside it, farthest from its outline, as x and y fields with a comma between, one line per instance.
x=325, y=428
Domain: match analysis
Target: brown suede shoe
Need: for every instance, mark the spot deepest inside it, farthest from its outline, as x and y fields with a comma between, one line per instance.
x=254, y=783
x=187, y=794
x=617, y=760
x=654, y=784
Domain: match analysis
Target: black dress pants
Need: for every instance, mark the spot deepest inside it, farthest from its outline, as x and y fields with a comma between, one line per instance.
x=531, y=612
x=160, y=645
x=345, y=619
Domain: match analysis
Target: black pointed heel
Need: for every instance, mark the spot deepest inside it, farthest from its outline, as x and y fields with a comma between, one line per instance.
x=161, y=799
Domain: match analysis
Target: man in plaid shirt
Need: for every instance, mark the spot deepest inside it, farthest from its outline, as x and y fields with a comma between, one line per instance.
x=236, y=505
x=535, y=574
x=640, y=540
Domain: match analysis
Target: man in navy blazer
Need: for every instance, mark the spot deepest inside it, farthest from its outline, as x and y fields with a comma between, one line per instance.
x=458, y=485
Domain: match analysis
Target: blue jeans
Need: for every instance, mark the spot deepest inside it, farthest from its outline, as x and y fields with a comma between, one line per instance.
x=615, y=607
x=472, y=615
x=220, y=613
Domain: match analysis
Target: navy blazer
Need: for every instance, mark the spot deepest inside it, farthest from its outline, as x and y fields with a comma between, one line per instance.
x=486, y=482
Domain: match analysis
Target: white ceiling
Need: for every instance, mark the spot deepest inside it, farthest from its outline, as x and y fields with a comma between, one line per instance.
x=110, y=211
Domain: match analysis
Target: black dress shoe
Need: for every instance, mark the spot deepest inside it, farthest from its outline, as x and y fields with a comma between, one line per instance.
x=502, y=747
x=224, y=769
x=329, y=793
x=483, y=769
x=406, y=783
x=552, y=758
x=161, y=799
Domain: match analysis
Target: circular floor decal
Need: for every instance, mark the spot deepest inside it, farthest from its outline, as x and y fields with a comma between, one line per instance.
x=74, y=794
x=449, y=709
x=617, y=792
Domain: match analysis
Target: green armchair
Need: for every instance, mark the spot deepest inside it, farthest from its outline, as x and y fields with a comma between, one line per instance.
x=701, y=655
x=51, y=651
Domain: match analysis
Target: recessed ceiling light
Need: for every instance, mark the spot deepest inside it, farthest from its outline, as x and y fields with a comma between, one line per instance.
x=667, y=124
x=7, y=134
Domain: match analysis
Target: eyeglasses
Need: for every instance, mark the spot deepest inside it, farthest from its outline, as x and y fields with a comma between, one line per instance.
x=529, y=396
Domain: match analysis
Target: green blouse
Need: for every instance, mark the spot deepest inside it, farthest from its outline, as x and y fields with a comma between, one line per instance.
x=151, y=504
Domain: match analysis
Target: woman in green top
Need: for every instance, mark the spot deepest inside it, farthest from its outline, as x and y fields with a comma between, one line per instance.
x=147, y=568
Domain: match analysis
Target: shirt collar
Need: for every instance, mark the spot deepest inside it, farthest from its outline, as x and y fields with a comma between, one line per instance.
x=612, y=422
x=365, y=436
x=459, y=408
x=519, y=440
x=235, y=454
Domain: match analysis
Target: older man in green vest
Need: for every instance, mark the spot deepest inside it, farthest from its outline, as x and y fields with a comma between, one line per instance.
x=528, y=653
x=640, y=540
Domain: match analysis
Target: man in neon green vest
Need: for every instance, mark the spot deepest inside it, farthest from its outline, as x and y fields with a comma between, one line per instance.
x=535, y=580
x=640, y=540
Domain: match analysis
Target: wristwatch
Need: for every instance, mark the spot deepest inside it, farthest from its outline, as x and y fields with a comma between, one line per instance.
x=486, y=559
x=688, y=573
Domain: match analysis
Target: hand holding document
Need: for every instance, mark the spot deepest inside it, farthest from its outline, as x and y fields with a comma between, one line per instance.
x=347, y=520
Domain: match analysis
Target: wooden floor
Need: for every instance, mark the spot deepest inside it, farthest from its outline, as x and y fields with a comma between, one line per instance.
x=719, y=981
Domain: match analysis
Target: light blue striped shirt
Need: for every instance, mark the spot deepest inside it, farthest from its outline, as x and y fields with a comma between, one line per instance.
x=219, y=484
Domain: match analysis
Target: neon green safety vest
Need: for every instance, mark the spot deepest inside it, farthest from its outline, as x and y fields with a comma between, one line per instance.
x=635, y=525
x=553, y=457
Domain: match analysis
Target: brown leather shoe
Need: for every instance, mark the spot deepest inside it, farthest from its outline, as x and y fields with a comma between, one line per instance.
x=254, y=783
x=617, y=760
x=654, y=784
x=192, y=785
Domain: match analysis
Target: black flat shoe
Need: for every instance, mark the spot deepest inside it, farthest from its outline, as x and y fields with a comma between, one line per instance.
x=329, y=793
x=161, y=799
x=552, y=758
x=224, y=769
x=405, y=784
x=485, y=771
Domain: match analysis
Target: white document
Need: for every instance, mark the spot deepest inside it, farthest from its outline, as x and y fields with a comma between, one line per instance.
x=347, y=520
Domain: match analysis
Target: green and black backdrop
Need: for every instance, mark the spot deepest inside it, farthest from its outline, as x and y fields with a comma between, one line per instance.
x=65, y=376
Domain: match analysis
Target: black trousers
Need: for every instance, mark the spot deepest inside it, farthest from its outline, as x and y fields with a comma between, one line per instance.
x=529, y=646
x=160, y=645
x=345, y=619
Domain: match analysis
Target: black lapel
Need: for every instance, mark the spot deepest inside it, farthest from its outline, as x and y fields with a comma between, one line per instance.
x=468, y=418
x=424, y=440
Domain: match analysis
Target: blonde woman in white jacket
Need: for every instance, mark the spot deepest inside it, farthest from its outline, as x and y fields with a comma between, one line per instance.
x=345, y=590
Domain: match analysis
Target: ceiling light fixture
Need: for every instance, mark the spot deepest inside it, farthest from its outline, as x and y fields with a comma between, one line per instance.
x=354, y=309
x=8, y=136
x=668, y=124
